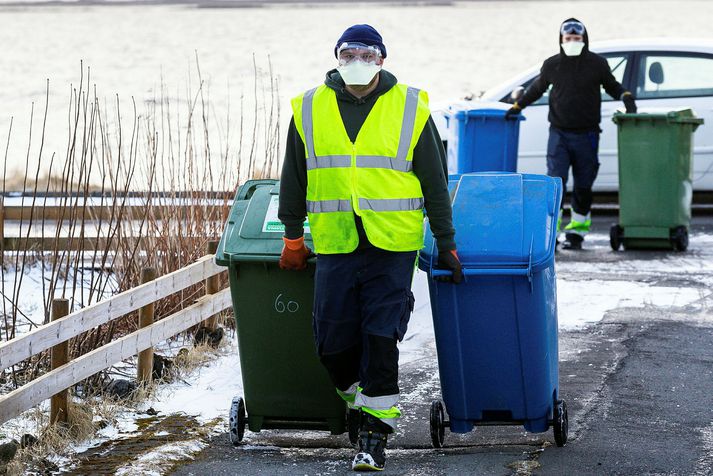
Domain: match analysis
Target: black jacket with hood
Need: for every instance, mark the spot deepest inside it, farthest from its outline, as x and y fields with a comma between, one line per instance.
x=575, y=98
x=429, y=165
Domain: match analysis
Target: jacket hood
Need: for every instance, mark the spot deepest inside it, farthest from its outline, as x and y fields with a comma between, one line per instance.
x=586, y=35
x=334, y=81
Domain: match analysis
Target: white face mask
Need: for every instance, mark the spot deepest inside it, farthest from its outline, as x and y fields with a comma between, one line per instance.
x=358, y=73
x=573, y=48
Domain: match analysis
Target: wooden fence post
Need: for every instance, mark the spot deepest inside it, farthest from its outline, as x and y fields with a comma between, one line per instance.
x=212, y=285
x=2, y=230
x=146, y=315
x=58, y=357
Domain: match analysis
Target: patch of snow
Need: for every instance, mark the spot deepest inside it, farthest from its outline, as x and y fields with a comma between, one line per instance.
x=208, y=392
x=124, y=426
x=705, y=462
x=28, y=290
x=158, y=460
x=419, y=337
x=580, y=303
x=27, y=422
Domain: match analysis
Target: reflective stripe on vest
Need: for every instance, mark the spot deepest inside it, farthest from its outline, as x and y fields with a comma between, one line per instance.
x=363, y=161
x=329, y=162
x=375, y=162
x=391, y=204
x=308, y=123
x=329, y=206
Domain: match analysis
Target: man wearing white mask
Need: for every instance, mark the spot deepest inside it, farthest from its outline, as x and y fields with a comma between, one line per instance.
x=363, y=161
x=576, y=75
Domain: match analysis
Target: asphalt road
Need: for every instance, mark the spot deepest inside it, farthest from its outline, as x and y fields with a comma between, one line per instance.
x=638, y=385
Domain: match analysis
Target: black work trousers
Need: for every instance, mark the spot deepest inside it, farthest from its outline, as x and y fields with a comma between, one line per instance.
x=362, y=306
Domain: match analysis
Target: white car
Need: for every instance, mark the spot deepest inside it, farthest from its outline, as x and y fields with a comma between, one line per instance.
x=662, y=74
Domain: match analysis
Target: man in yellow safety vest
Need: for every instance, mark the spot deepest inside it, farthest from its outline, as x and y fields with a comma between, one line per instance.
x=363, y=161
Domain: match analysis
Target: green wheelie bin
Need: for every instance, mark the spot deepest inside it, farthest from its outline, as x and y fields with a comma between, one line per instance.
x=655, y=185
x=284, y=383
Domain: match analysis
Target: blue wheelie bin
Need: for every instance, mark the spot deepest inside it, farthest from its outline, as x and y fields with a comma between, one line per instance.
x=482, y=140
x=496, y=333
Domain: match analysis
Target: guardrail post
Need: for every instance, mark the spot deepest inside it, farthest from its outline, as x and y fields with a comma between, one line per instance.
x=58, y=357
x=146, y=315
x=212, y=285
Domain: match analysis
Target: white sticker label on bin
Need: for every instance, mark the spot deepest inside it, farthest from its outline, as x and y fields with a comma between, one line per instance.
x=272, y=224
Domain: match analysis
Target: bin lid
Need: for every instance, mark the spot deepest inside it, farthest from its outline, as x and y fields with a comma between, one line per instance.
x=502, y=220
x=676, y=116
x=253, y=231
x=485, y=114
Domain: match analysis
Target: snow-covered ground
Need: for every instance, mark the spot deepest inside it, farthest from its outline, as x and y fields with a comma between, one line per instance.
x=587, y=291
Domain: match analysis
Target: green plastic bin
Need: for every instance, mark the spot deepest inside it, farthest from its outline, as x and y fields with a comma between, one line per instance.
x=285, y=385
x=655, y=185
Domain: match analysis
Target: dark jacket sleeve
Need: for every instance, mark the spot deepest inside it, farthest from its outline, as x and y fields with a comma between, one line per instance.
x=610, y=84
x=431, y=168
x=293, y=185
x=536, y=89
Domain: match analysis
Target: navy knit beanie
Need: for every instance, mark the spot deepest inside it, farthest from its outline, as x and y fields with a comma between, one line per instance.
x=362, y=34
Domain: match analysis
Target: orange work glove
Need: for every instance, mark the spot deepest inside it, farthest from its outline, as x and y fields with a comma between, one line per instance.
x=294, y=254
x=451, y=262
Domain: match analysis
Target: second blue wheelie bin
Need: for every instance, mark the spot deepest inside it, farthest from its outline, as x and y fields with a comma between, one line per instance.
x=496, y=333
x=482, y=140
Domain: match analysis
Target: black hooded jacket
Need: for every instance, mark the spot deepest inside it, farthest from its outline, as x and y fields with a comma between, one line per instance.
x=429, y=165
x=575, y=99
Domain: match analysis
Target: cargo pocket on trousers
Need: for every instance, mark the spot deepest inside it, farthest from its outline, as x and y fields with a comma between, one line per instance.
x=594, y=141
x=406, y=311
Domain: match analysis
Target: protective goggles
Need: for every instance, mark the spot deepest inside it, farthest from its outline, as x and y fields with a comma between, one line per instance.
x=572, y=28
x=350, y=52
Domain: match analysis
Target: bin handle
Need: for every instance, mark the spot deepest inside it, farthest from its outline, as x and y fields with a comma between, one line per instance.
x=484, y=272
x=529, y=263
x=515, y=271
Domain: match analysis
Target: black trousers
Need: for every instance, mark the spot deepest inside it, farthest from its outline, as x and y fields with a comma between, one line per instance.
x=362, y=306
x=578, y=150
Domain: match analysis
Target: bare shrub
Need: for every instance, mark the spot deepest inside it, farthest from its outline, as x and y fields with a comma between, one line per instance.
x=150, y=190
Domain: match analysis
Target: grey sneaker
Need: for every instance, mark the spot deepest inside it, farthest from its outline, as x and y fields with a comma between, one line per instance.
x=372, y=454
x=372, y=444
x=572, y=242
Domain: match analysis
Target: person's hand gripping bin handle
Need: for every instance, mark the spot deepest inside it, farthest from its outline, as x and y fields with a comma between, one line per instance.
x=295, y=254
x=449, y=261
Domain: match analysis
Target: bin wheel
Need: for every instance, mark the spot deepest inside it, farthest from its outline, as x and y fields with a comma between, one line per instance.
x=237, y=421
x=353, y=425
x=679, y=238
x=616, y=237
x=560, y=422
x=438, y=429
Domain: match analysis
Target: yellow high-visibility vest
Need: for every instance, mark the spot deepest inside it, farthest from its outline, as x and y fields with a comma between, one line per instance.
x=372, y=177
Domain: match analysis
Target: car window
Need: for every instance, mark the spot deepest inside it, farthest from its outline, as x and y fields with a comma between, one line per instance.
x=617, y=64
x=674, y=76
x=545, y=97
